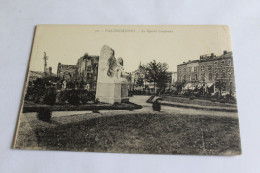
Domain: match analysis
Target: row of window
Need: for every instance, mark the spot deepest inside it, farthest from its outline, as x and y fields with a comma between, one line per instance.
x=222, y=63
x=210, y=75
x=223, y=70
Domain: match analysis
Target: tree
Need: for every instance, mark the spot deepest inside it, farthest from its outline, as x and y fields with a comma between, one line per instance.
x=139, y=81
x=220, y=85
x=179, y=85
x=156, y=73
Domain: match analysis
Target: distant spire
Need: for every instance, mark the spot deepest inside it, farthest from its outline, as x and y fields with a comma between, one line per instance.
x=140, y=65
x=45, y=58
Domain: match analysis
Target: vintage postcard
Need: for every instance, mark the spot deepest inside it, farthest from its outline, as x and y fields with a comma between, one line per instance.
x=130, y=89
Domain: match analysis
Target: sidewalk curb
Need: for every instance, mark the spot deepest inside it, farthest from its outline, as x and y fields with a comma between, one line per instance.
x=193, y=106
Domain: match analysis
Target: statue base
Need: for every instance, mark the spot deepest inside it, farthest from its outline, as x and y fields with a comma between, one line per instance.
x=112, y=92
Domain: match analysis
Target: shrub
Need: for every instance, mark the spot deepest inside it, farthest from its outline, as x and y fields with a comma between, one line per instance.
x=50, y=96
x=192, y=97
x=156, y=105
x=188, y=93
x=49, y=99
x=96, y=101
x=92, y=95
x=62, y=97
x=213, y=100
x=37, y=98
x=84, y=97
x=222, y=100
x=216, y=95
x=95, y=108
x=130, y=93
x=74, y=98
x=44, y=114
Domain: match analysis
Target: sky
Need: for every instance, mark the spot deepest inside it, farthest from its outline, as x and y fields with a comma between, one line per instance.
x=170, y=44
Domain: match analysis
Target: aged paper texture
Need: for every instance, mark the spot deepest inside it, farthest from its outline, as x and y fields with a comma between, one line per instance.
x=130, y=89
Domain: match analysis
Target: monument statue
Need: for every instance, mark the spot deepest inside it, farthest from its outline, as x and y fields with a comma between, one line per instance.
x=115, y=68
x=112, y=85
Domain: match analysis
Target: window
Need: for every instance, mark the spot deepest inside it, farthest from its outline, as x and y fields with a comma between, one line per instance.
x=223, y=74
x=88, y=62
x=203, y=76
x=89, y=68
x=202, y=68
x=196, y=77
x=210, y=76
x=229, y=72
x=216, y=62
x=222, y=63
x=195, y=69
x=216, y=74
x=229, y=63
x=209, y=67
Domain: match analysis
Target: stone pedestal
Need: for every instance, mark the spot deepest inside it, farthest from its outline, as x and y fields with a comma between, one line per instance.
x=111, y=87
x=112, y=92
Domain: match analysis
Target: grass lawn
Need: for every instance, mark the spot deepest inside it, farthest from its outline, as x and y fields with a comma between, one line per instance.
x=138, y=133
x=197, y=101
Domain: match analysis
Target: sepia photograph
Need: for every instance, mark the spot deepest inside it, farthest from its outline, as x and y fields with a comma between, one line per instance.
x=148, y=89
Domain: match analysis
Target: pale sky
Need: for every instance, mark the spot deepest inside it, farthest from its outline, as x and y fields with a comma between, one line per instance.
x=170, y=44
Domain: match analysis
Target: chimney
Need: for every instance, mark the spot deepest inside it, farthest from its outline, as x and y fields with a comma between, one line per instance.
x=85, y=55
x=225, y=52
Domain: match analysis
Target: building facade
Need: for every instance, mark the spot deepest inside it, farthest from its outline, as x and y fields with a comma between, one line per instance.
x=208, y=70
x=88, y=70
x=85, y=71
x=67, y=72
x=174, y=77
x=33, y=75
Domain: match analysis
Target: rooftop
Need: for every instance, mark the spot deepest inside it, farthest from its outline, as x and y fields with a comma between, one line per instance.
x=209, y=57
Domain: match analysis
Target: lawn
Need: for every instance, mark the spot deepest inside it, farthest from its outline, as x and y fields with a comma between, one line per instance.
x=137, y=133
x=197, y=101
